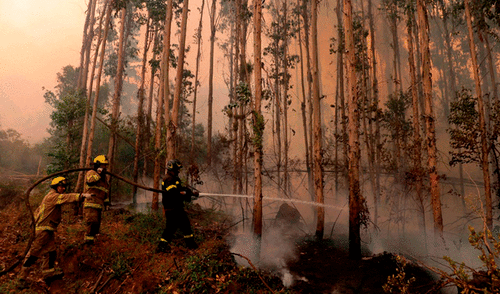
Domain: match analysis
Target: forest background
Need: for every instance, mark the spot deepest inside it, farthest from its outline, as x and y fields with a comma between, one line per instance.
x=372, y=103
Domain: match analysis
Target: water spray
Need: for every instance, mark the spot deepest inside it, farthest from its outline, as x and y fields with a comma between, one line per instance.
x=297, y=201
x=28, y=206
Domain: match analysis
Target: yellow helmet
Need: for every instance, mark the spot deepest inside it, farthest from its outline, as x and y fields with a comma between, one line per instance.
x=58, y=181
x=101, y=159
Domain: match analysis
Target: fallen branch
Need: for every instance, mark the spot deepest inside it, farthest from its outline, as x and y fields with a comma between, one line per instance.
x=255, y=269
x=97, y=282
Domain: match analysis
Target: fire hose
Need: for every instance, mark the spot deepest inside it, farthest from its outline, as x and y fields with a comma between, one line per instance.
x=28, y=206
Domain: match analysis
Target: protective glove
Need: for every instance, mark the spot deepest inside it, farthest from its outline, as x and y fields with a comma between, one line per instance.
x=196, y=194
x=84, y=196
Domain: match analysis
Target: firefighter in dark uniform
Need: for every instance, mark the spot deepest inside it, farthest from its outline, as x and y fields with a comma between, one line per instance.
x=47, y=219
x=173, y=197
x=96, y=185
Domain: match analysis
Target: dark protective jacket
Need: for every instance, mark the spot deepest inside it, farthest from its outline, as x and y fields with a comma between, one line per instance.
x=171, y=195
x=96, y=185
x=48, y=214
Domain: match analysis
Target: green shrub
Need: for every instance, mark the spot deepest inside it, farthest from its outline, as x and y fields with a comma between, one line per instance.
x=145, y=227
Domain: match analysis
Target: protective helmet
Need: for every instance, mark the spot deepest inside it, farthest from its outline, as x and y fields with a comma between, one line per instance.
x=174, y=165
x=101, y=159
x=59, y=181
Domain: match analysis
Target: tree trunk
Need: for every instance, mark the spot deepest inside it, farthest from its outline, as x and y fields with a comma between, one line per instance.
x=304, y=117
x=211, y=82
x=286, y=182
x=162, y=98
x=140, y=113
x=88, y=28
x=354, y=152
x=98, y=85
x=318, y=154
x=83, y=148
x=198, y=57
x=417, y=140
x=258, y=122
x=452, y=76
x=423, y=28
x=149, y=109
x=482, y=123
x=173, y=125
x=375, y=101
x=115, y=111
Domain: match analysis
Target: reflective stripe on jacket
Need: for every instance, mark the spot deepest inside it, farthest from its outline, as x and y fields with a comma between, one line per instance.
x=98, y=187
x=48, y=214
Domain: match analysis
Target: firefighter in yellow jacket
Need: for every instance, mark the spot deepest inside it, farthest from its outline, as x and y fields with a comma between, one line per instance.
x=96, y=185
x=47, y=218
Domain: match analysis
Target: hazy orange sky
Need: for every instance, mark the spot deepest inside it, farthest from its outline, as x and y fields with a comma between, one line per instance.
x=38, y=38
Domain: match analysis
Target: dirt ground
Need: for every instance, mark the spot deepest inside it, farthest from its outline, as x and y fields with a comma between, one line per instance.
x=321, y=267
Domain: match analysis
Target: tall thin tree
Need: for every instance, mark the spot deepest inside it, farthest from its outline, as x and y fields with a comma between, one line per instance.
x=173, y=124
x=354, y=151
x=423, y=29
x=482, y=122
x=318, y=133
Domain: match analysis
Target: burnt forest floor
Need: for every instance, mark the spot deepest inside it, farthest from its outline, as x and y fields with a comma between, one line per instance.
x=123, y=260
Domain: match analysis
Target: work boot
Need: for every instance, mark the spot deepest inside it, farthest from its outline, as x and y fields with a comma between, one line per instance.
x=88, y=240
x=191, y=243
x=163, y=247
x=52, y=273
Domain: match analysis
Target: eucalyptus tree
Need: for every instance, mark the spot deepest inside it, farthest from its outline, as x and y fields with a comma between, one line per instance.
x=305, y=98
x=172, y=124
x=318, y=132
x=85, y=132
x=258, y=120
x=88, y=36
x=282, y=29
x=213, y=30
x=163, y=99
x=482, y=120
x=115, y=112
x=423, y=29
x=417, y=169
x=149, y=21
x=100, y=72
x=198, y=57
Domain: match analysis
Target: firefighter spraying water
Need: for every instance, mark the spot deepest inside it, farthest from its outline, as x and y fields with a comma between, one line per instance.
x=173, y=197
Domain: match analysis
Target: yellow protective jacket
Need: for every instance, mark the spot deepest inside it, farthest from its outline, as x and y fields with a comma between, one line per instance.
x=48, y=214
x=96, y=185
